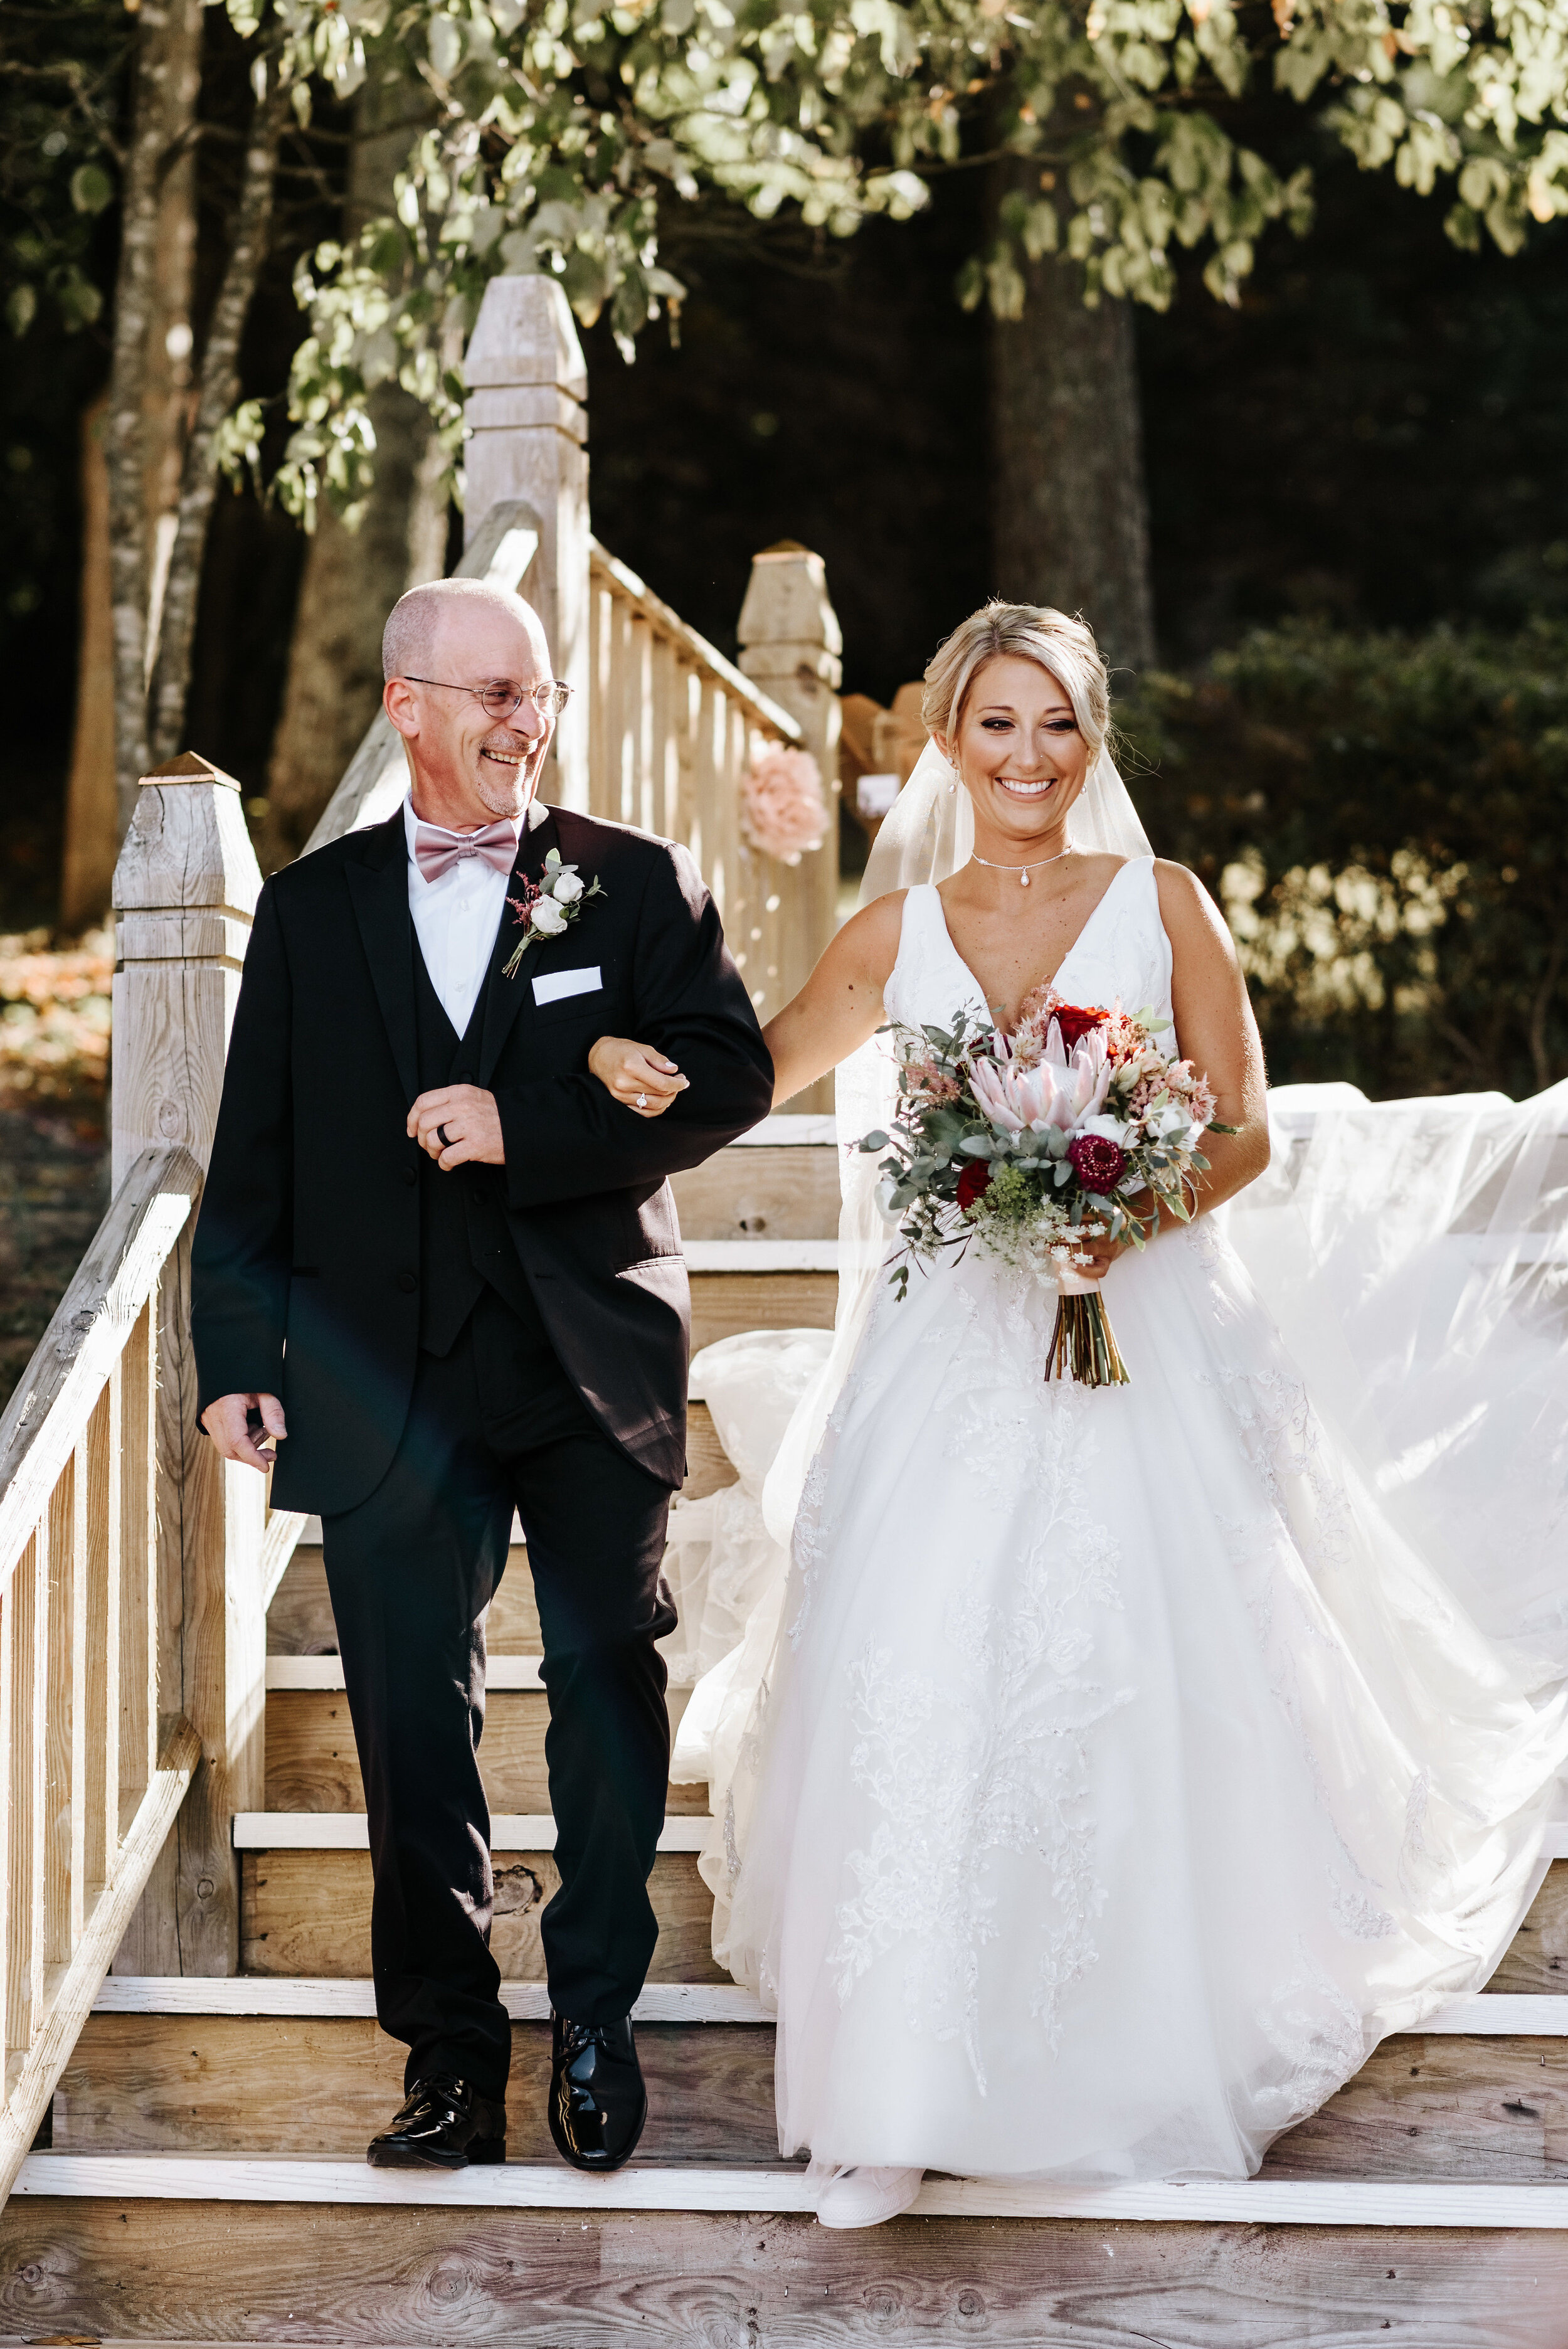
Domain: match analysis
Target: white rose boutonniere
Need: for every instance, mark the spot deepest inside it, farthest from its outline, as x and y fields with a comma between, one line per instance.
x=549, y=905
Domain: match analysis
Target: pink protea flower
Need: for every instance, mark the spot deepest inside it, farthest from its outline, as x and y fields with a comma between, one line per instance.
x=1062, y=1089
x=782, y=810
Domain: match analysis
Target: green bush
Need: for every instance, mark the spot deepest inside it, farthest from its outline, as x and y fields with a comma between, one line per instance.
x=1385, y=820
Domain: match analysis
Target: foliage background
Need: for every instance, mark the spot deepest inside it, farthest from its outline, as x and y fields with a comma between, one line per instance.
x=1372, y=441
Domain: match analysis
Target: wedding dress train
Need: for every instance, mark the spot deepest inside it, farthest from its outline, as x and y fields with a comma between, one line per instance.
x=1121, y=1769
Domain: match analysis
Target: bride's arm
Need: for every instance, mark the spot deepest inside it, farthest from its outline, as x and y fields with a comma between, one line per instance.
x=1216, y=1031
x=840, y=1005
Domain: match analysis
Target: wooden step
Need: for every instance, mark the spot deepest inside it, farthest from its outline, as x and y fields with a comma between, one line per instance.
x=583, y=2263
x=784, y=2187
x=299, y=1619
x=726, y=1304
x=1423, y=2106
x=312, y=1763
x=315, y=2086
x=1442, y=2108
x=348, y=1831
x=717, y=2002
x=295, y=1996
x=765, y=1193
x=308, y=1912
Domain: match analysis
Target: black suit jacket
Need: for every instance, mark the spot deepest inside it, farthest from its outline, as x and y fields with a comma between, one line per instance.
x=305, y=1267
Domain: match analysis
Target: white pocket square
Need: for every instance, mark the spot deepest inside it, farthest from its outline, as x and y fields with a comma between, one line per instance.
x=557, y=984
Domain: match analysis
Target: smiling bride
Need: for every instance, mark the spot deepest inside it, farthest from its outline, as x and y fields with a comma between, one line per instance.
x=1122, y=1770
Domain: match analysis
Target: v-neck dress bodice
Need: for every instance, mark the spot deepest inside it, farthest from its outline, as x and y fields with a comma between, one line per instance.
x=1121, y=1775
x=1120, y=955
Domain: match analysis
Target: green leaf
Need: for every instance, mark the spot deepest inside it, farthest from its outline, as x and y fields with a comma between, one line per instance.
x=91, y=188
x=21, y=308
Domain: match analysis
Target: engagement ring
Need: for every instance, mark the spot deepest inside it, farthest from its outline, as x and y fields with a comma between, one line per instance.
x=642, y=1100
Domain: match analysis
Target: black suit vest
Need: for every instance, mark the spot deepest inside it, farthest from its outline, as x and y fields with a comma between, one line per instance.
x=465, y=1241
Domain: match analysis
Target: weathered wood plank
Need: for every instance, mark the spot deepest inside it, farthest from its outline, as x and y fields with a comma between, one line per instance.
x=308, y=1912
x=312, y=1763
x=1438, y=2109
x=300, y=1623
x=724, y=1303
x=570, y=2280
x=1537, y=1958
x=755, y=1194
x=178, y=2083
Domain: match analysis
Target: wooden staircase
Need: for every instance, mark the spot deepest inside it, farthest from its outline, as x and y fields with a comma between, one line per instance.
x=206, y=2182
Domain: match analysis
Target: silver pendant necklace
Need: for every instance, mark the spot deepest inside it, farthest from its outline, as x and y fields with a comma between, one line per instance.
x=1023, y=871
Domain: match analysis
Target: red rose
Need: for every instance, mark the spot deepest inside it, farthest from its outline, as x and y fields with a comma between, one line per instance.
x=1098, y=1164
x=1075, y=1021
x=975, y=1182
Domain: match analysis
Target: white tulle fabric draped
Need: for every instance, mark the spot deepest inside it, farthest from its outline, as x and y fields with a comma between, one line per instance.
x=1107, y=1771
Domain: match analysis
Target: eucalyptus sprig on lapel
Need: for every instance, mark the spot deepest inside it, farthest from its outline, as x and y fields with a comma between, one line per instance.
x=548, y=906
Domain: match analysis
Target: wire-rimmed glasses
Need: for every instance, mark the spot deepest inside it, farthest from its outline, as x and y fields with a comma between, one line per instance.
x=550, y=699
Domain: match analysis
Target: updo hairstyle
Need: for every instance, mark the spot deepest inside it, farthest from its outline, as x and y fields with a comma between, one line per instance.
x=1030, y=632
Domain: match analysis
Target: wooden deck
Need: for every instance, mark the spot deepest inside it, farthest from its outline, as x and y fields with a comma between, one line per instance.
x=205, y=2180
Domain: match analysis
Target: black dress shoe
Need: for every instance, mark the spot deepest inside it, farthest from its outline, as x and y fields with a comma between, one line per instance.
x=443, y=2124
x=597, y=2100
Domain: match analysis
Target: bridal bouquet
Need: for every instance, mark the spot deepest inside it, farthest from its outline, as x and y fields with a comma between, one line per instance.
x=1030, y=1144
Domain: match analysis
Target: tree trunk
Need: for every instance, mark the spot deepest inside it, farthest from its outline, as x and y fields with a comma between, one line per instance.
x=353, y=578
x=157, y=236
x=220, y=385
x=1071, y=522
x=92, y=827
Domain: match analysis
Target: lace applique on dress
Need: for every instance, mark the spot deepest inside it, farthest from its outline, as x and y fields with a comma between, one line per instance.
x=1316, y=2026
x=991, y=1759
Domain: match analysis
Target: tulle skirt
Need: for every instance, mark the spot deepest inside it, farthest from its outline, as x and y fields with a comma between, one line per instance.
x=1120, y=1772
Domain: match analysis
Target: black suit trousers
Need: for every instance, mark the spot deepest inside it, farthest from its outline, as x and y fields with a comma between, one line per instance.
x=493, y=1424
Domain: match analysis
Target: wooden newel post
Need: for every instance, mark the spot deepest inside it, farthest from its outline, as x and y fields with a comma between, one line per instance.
x=529, y=438
x=185, y=889
x=791, y=645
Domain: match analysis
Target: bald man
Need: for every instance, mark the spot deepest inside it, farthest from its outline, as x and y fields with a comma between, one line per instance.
x=438, y=1276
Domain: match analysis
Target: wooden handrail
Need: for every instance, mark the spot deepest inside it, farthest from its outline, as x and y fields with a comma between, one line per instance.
x=49, y=1412
x=88, y=1790
x=773, y=720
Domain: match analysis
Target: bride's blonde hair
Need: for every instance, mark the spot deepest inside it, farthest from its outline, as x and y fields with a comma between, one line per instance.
x=1031, y=632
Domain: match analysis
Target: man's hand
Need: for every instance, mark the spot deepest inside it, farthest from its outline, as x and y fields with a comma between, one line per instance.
x=639, y=1078
x=458, y=1122
x=227, y=1422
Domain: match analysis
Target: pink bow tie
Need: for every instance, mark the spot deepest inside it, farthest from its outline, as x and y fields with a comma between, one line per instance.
x=436, y=851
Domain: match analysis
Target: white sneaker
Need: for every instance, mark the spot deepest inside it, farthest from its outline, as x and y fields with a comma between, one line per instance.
x=864, y=2197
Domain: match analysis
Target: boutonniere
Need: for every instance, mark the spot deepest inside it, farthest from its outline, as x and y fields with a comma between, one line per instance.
x=548, y=906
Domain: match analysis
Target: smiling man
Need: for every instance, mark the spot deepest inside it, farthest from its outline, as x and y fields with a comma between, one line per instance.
x=437, y=1267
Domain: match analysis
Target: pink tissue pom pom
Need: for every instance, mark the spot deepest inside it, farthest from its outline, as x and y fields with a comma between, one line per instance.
x=783, y=812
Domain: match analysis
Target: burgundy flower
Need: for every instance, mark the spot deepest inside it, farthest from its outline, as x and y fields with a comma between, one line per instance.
x=1076, y=1021
x=1098, y=1164
x=975, y=1182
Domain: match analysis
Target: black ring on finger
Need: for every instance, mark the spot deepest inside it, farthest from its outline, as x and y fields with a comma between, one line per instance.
x=443, y=1137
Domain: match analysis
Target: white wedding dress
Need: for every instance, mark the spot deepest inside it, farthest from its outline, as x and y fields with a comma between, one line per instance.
x=1121, y=1771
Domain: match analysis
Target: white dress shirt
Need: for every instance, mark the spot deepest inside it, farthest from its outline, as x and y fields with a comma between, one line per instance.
x=456, y=919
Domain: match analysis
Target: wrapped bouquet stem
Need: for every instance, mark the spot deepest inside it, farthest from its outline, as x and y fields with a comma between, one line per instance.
x=1075, y=1128
x=1083, y=1344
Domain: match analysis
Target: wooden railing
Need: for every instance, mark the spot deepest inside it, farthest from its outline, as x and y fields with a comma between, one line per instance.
x=673, y=728
x=92, y=1778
